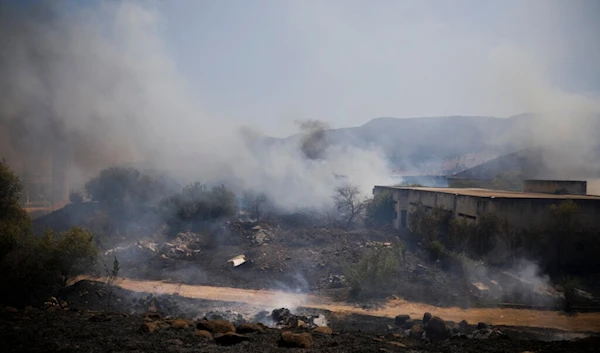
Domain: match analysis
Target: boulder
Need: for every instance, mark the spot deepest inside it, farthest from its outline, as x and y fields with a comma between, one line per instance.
x=215, y=326
x=437, y=330
x=204, y=334
x=416, y=331
x=426, y=318
x=297, y=340
x=249, y=328
x=400, y=320
x=230, y=338
x=482, y=325
x=463, y=324
x=179, y=324
x=323, y=330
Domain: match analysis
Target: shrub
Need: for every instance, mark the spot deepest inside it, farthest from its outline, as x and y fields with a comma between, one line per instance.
x=76, y=196
x=435, y=250
x=197, y=204
x=380, y=210
x=14, y=221
x=36, y=267
x=373, y=269
x=120, y=185
x=427, y=223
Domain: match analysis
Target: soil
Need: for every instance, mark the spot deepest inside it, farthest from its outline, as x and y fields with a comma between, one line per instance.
x=83, y=325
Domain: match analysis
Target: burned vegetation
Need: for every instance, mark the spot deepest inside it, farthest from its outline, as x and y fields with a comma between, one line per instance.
x=224, y=268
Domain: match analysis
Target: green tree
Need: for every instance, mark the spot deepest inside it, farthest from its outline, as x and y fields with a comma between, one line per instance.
x=379, y=211
x=73, y=252
x=14, y=221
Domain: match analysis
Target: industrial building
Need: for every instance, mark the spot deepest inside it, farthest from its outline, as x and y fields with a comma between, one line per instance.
x=526, y=210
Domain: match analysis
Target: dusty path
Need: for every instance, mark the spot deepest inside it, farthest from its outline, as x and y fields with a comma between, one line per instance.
x=274, y=299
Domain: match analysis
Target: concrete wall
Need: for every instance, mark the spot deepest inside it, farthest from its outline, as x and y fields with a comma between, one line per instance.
x=570, y=187
x=526, y=213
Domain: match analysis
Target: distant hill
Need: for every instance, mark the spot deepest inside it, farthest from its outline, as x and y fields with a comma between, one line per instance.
x=432, y=145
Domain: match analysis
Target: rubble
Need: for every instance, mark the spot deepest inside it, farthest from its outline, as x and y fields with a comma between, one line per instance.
x=238, y=260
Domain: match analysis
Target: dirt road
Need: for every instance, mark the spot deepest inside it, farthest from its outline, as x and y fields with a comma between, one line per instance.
x=589, y=322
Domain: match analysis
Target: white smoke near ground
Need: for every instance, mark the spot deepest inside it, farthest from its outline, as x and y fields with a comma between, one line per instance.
x=100, y=77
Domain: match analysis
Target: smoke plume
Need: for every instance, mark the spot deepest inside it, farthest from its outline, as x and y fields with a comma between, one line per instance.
x=99, y=77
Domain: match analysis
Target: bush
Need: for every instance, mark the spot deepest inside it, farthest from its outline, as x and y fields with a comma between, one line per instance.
x=373, y=270
x=119, y=185
x=435, y=249
x=14, y=221
x=380, y=210
x=197, y=204
x=36, y=267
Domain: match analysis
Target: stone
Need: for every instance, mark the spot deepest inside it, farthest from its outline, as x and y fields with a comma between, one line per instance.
x=302, y=324
x=249, y=328
x=230, y=338
x=437, y=330
x=148, y=327
x=152, y=316
x=204, y=334
x=463, y=324
x=416, y=331
x=323, y=330
x=426, y=318
x=400, y=320
x=152, y=309
x=482, y=325
x=297, y=340
x=397, y=344
x=215, y=326
x=179, y=324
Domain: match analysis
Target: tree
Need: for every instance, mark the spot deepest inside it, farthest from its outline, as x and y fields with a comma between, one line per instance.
x=427, y=223
x=562, y=225
x=349, y=202
x=379, y=211
x=511, y=237
x=484, y=239
x=14, y=220
x=255, y=203
x=74, y=252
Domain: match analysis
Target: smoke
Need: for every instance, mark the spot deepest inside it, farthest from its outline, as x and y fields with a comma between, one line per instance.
x=99, y=77
x=565, y=125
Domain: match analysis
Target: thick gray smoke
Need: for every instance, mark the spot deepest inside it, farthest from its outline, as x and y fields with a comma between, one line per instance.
x=100, y=78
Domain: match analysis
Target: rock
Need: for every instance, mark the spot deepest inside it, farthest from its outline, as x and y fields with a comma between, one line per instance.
x=437, y=330
x=148, y=327
x=203, y=333
x=409, y=323
x=323, y=330
x=230, y=338
x=152, y=316
x=179, y=324
x=426, y=318
x=397, y=344
x=482, y=325
x=176, y=342
x=400, y=320
x=298, y=340
x=249, y=328
x=463, y=324
x=215, y=326
x=302, y=324
x=392, y=336
x=416, y=331
x=152, y=309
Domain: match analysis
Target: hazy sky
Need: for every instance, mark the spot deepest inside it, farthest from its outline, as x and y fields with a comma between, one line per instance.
x=270, y=62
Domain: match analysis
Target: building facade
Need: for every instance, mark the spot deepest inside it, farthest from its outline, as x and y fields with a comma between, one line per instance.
x=524, y=210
